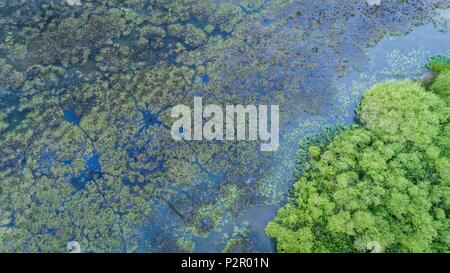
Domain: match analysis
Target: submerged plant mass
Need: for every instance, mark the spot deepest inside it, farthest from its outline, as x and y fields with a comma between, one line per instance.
x=86, y=90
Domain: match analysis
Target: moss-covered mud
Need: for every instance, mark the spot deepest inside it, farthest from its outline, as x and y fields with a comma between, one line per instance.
x=85, y=93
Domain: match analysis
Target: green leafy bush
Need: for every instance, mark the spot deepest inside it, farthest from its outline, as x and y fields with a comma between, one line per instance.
x=404, y=111
x=441, y=85
x=380, y=188
x=319, y=141
x=439, y=63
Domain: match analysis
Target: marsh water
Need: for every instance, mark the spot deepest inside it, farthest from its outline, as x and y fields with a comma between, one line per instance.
x=90, y=119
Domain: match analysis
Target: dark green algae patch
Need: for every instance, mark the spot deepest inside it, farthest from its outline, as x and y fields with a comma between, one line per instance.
x=85, y=98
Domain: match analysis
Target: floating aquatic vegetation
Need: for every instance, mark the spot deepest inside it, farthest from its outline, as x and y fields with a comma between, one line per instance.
x=239, y=240
x=405, y=64
x=442, y=20
x=16, y=51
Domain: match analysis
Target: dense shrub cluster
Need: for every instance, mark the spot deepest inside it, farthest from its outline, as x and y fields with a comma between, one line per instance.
x=441, y=86
x=439, y=63
x=383, y=186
